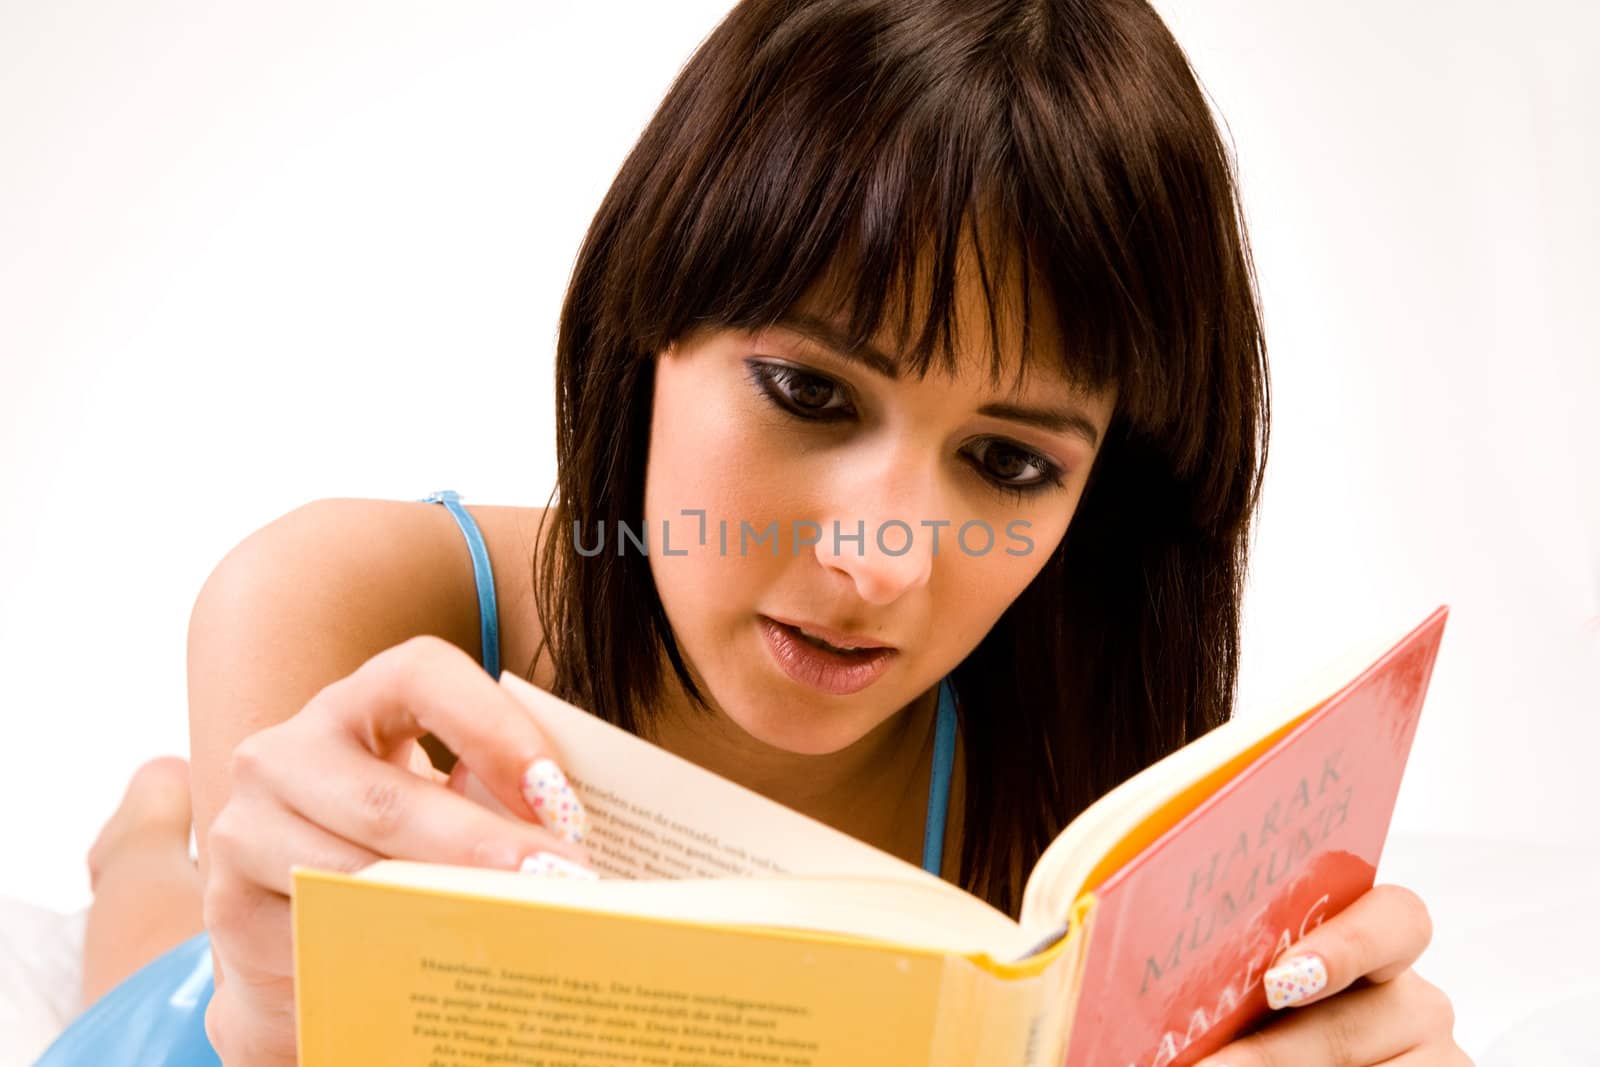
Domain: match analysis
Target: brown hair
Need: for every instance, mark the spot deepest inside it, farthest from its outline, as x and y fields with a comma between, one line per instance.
x=807, y=137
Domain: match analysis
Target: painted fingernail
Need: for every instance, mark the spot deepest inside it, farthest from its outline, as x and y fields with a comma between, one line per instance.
x=553, y=866
x=553, y=801
x=1296, y=979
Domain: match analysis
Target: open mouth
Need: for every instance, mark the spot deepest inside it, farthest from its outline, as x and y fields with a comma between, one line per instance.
x=817, y=642
x=822, y=637
x=820, y=664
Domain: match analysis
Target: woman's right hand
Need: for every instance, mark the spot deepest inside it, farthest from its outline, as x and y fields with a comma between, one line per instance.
x=338, y=786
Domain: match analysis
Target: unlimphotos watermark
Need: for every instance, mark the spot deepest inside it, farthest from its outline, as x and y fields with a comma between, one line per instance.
x=893, y=537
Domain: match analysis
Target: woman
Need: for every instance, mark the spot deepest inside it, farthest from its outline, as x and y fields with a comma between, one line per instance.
x=878, y=278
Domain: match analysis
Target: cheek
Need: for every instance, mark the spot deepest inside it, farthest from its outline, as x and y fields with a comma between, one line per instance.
x=709, y=453
x=972, y=592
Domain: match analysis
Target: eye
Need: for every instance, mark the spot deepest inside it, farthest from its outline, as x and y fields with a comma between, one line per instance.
x=801, y=393
x=1013, y=469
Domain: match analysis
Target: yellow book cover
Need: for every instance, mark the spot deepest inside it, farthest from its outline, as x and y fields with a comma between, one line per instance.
x=728, y=930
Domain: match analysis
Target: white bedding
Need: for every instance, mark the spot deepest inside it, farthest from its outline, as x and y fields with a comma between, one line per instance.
x=41, y=973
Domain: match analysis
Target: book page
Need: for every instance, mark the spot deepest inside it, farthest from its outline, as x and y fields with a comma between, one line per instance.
x=656, y=815
x=392, y=975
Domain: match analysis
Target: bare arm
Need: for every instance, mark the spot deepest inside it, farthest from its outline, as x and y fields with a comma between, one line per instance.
x=303, y=602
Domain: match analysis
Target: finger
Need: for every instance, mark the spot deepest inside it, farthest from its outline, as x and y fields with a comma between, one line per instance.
x=251, y=1017
x=347, y=797
x=427, y=685
x=250, y=930
x=1376, y=938
x=1367, y=1025
x=463, y=781
x=259, y=842
x=1427, y=1057
x=250, y=1028
x=246, y=904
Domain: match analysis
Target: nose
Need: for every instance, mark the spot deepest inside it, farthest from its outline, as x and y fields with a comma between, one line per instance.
x=878, y=533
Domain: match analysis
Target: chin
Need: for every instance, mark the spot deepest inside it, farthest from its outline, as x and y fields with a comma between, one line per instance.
x=779, y=725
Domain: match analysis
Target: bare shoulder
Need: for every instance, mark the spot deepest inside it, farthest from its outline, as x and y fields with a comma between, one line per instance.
x=317, y=592
x=404, y=566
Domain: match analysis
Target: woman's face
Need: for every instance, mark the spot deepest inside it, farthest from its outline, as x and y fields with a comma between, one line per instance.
x=959, y=489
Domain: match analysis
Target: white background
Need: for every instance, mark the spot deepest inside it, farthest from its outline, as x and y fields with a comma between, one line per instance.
x=253, y=255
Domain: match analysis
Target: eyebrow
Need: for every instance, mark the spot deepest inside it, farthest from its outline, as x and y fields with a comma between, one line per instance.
x=837, y=341
x=1056, y=420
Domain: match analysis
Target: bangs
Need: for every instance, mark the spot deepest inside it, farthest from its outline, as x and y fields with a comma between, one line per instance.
x=861, y=157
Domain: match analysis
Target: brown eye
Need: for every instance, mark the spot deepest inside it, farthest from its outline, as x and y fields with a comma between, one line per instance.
x=806, y=396
x=811, y=392
x=1005, y=463
x=1011, y=467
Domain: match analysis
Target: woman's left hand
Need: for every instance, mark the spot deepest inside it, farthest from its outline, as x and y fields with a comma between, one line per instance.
x=1346, y=996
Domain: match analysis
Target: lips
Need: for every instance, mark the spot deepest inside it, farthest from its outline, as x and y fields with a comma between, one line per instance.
x=829, y=670
x=835, y=638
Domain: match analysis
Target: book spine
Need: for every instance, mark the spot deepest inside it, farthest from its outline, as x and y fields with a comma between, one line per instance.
x=956, y=1014
x=1062, y=1000
x=988, y=1017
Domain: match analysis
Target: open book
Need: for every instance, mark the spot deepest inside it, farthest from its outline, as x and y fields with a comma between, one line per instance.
x=728, y=930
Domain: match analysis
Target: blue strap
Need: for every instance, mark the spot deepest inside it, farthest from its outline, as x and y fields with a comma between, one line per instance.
x=944, y=757
x=488, y=613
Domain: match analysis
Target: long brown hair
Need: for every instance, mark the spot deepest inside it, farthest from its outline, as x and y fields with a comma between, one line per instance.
x=806, y=137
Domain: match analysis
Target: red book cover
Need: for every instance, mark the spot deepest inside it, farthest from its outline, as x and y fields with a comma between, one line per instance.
x=1180, y=935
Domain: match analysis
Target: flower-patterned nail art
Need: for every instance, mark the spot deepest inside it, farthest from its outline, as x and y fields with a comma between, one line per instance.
x=552, y=866
x=553, y=801
x=1296, y=979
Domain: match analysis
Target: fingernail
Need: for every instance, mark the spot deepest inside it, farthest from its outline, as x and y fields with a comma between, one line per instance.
x=1296, y=979
x=553, y=801
x=553, y=866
